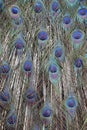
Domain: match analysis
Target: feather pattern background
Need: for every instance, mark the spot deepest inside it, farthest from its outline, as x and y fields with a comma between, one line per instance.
x=43, y=65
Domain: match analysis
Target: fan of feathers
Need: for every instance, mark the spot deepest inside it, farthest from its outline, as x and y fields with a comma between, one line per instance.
x=43, y=64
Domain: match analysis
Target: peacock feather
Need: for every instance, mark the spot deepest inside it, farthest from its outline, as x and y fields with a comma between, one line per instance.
x=43, y=65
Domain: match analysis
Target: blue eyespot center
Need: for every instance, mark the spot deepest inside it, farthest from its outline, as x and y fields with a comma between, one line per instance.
x=66, y=20
x=53, y=68
x=82, y=11
x=19, y=44
x=31, y=95
x=46, y=112
x=55, y=6
x=15, y=10
x=77, y=35
x=38, y=7
x=78, y=63
x=12, y=120
x=71, y=102
x=5, y=68
x=58, y=52
x=27, y=66
x=4, y=96
x=42, y=35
